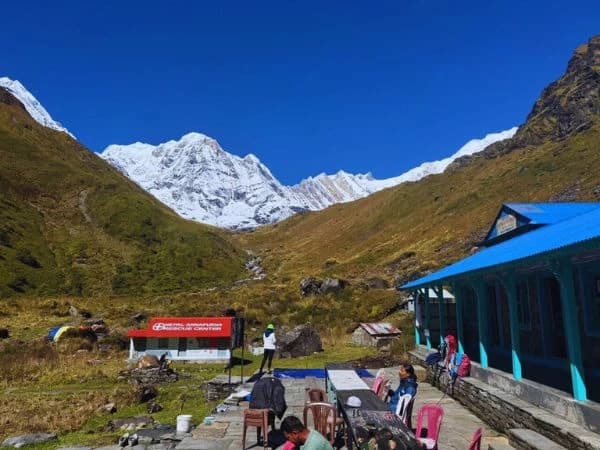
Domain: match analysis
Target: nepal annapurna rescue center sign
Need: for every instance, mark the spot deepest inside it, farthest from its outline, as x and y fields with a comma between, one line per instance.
x=184, y=338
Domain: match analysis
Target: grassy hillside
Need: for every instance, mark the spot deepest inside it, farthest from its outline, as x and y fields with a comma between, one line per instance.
x=406, y=231
x=416, y=227
x=71, y=224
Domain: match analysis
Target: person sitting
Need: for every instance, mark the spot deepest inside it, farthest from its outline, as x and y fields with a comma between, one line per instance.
x=295, y=432
x=408, y=385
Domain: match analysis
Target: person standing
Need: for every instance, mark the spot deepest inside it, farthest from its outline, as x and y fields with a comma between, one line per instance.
x=269, y=345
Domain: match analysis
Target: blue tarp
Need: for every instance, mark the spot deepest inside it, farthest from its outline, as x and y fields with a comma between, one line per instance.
x=317, y=373
x=52, y=333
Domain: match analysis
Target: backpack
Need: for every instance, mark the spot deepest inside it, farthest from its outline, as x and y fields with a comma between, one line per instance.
x=464, y=368
x=433, y=358
x=460, y=366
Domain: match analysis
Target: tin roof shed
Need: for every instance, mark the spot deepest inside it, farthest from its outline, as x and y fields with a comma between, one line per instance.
x=380, y=329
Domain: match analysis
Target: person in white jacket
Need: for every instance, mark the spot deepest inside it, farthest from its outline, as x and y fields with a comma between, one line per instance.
x=269, y=345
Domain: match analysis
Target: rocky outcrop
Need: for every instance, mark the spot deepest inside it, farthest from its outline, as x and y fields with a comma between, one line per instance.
x=568, y=105
x=332, y=285
x=375, y=283
x=28, y=439
x=310, y=286
x=314, y=286
x=302, y=340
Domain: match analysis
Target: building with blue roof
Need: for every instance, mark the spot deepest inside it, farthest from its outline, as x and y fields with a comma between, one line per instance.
x=528, y=302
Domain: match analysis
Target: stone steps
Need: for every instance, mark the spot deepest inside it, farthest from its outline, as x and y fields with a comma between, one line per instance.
x=500, y=447
x=524, y=439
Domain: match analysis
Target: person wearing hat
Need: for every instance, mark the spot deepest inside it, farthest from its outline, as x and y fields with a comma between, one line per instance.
x=269, y=345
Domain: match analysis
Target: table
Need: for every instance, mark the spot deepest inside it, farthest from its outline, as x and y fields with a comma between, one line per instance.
x=344, y=380
x=368, y=399
x=373, y=414
x=376, y=420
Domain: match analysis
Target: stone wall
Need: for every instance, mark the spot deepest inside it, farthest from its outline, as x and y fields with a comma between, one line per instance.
x=504, y=411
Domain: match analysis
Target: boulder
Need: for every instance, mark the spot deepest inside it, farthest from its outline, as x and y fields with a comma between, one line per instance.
x=28, y=439
x=302, y=340
x=130, y=423
x=148, y=362
x=4, y=334
x=154, y=407
x=310, y=286
x=375, y=283
x=146, y=393
x=110, y=408
x=139, y=317
x=332, y=285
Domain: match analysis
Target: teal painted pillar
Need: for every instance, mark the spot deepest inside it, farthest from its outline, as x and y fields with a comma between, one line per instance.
x=482, y=321
x=459, y=318
x=427, y=319
x=417, y=316
x=441, y=312
x=563, y=269
x=510, y=285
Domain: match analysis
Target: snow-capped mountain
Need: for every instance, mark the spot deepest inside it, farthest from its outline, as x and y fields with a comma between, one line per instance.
x=33, y=107
x=203, y=182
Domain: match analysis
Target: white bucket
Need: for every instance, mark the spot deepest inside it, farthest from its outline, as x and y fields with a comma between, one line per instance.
x=184, y=423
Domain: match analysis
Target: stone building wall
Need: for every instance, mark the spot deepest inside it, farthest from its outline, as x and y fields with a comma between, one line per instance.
x=504, y=411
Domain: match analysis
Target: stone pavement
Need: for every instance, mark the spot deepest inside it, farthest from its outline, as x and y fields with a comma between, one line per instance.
x=225, y=433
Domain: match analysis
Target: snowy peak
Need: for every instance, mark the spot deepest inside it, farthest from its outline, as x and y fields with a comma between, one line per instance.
x=437, y=167
x=203, y=182
x=32, y=105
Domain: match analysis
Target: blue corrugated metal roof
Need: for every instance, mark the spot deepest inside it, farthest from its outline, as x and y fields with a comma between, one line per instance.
x=584, y=227
x=548, y=213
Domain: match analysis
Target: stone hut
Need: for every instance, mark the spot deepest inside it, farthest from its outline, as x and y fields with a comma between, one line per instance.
x=378, y=335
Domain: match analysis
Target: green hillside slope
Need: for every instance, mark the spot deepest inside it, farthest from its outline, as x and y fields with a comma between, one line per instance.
x=71, y=224
x=408, y=230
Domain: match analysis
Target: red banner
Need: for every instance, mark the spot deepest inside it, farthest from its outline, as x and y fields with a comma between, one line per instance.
x=186, y=327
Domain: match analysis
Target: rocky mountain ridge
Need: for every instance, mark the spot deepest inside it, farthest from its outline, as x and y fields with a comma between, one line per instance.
x=203, y=182
x=566, y=106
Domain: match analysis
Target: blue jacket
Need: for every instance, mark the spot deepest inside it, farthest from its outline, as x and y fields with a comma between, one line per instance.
x=407, y=386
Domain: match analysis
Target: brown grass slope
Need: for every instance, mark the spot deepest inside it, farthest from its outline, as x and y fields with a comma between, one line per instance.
x=71, y=224
x=408, y=230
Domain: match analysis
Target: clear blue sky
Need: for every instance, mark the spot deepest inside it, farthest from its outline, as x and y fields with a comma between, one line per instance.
x=306, y=86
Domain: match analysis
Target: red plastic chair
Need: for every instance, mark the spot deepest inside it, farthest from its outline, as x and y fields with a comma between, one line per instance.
x=433, y=414
x=379, y=384
x=476, y=441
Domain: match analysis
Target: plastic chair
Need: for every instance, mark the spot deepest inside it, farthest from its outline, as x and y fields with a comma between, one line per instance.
x=324, y=416
x=404, y=409
x=379, y=384
x=434, y=415
x=258, y=418
x=317, y=395
x=476, y=441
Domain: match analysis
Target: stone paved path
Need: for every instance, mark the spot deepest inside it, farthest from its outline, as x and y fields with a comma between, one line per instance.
x=225, y=433
x=457, y=428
